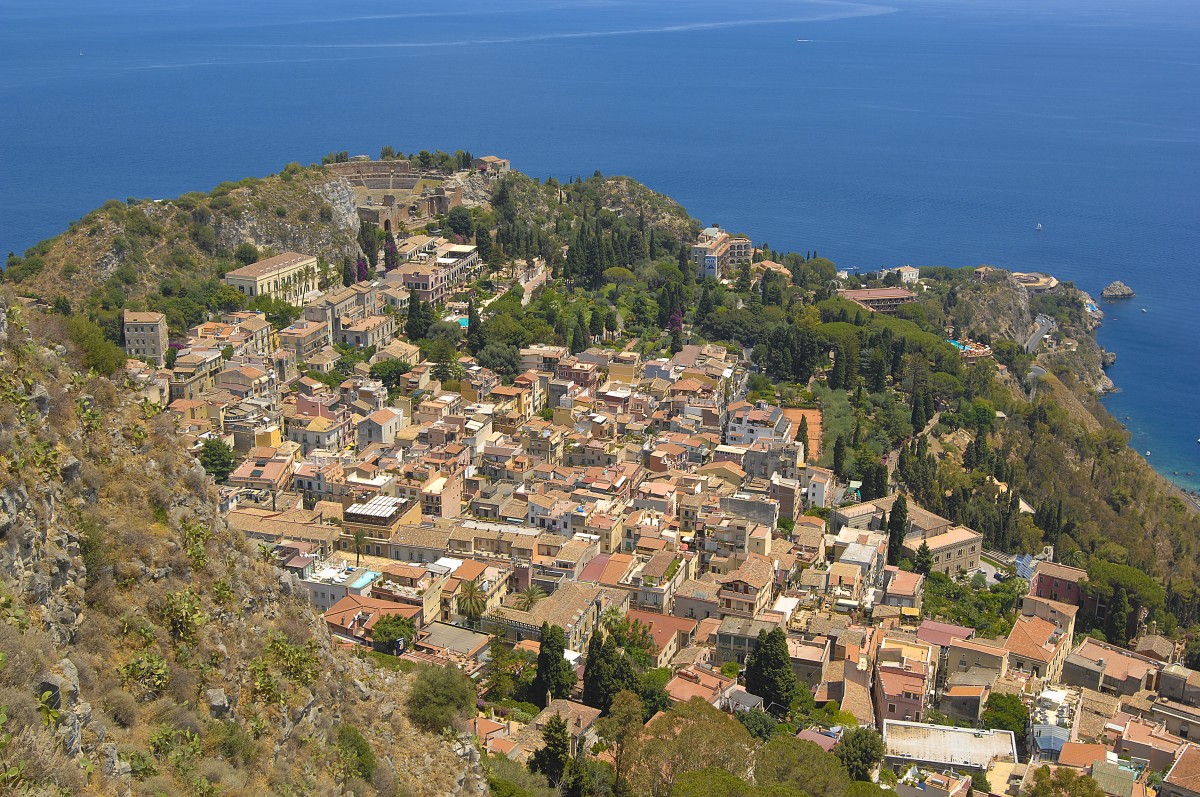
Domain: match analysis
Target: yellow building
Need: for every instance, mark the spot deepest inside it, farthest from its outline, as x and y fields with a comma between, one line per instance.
x=288, y=277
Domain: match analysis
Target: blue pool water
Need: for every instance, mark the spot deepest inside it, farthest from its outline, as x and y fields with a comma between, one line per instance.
x=364, y=579
x=878, y=133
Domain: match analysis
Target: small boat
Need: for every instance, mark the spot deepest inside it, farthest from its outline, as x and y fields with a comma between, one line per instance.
x=1039, y=227
x=81, y=53
x=1147, y=453
x=1143, y=309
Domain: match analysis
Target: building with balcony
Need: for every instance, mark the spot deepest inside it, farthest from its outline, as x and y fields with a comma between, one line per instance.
x=288, y=277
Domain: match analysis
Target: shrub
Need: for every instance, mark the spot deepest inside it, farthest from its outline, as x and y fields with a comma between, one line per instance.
x=121, y=707
x=98, y=352
x=235, y=743
x=439, y=696
x=354, y=754
x=149, y=672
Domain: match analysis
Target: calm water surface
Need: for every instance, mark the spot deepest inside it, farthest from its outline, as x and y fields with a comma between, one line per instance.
x=875, y=133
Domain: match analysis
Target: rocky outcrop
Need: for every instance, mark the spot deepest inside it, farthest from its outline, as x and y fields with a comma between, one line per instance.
x=1117, y=290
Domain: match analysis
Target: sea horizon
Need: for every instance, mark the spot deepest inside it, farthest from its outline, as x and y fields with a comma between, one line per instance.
x=922, y=133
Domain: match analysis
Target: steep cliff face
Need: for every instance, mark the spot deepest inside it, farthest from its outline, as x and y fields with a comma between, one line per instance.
x=147, y=649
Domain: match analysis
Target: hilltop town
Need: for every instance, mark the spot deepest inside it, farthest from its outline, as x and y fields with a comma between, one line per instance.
x=640, y=479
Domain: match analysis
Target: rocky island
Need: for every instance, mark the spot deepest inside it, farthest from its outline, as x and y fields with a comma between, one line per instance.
x=1117, y=290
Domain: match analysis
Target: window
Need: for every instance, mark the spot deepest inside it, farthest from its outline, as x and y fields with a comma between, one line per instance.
x=891, y=708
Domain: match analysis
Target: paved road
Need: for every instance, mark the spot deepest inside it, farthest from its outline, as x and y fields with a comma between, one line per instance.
x=1044, y=325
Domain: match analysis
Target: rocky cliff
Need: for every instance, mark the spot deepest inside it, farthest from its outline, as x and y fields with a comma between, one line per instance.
x=145, y=647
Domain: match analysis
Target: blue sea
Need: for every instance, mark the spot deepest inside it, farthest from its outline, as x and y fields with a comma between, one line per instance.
x=877, y=133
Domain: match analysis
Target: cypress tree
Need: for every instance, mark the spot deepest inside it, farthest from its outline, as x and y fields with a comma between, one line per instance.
x=769, y=672
x=923, y=561
x=415, y=326
x=897, y=525
x=476, y=338
x=554, y=675
x=802, y=435
x=578, y=338
x=597, y=674
x=552, y=759
x=839, y=457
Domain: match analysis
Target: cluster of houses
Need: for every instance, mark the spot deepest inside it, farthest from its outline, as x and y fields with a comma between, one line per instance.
x=648, y=488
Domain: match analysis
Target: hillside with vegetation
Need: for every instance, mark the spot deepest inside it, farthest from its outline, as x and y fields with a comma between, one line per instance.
x=146, y=648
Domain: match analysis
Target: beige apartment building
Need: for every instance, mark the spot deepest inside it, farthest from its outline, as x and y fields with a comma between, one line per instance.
x=956, y=549
x=305, y=338
x=289, y=276
x=146, y=336
x=716, y=250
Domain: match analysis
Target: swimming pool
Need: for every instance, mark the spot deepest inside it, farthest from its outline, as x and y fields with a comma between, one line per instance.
x=364, y=579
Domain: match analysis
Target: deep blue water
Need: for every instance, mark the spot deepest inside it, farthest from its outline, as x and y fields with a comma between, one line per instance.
x=897, y=132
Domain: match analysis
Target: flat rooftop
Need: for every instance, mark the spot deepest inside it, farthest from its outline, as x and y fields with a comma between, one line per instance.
x=945, y=745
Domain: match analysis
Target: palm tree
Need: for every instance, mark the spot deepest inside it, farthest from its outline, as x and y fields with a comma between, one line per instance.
x=360, y=539
x=1075, y=558
x=472, y=601
x=611, y=618
x=529, y=597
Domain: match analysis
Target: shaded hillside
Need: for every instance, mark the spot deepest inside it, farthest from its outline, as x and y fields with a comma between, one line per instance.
x=146, y=648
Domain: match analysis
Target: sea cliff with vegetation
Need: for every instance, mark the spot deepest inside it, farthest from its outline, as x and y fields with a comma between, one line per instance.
x=147, y=649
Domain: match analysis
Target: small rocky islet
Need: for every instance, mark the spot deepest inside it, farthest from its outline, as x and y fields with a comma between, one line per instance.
x=1117, y=290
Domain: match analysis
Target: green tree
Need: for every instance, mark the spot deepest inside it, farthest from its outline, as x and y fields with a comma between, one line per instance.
x=652, y=690
x=554, y=678
x=500, y=358
x=923, y=561
x=1005, y=712
x=420, y=316
x=552, y=759
x=897, y=526
x=1065, y=782
x=769, y=672
x=246, y=253
x=859, y=751
x=476, y=336
x=98, y=352
x=786, y=760
x=459, y=221
x=472, y=602
x=389, y=629
x=622, y=730
x=598, y=686
x=802, y=436
x=760, y=724
x=742, y=283
x=529, y=597
x=390, y=372
x=839, y=457
x=217, y=459
x=359, y=541
x=1117, y=626
x=440, y=697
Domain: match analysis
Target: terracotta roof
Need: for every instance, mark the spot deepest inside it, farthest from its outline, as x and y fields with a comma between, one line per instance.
x=1081, y=755
x=1031, y=638
x=1185, y=772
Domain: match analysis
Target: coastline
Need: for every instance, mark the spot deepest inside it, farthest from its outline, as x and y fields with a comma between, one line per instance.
x=1096, y=316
